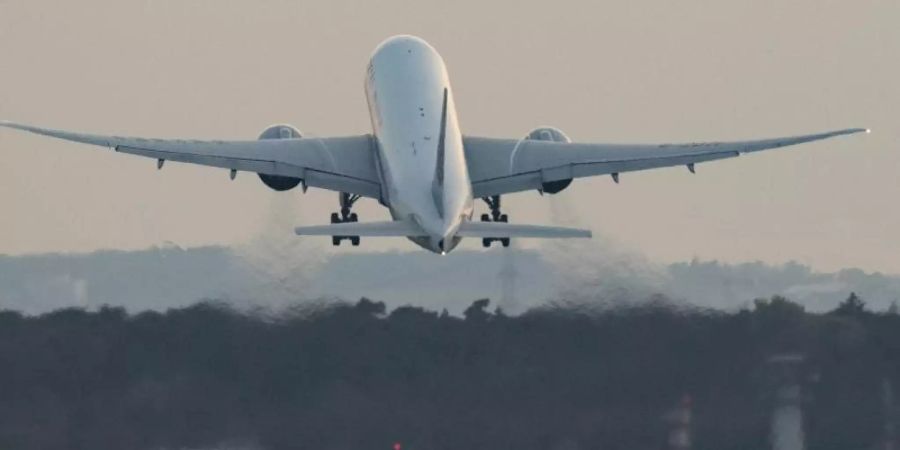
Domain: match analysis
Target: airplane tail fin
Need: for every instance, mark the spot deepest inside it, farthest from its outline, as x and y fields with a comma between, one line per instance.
x=437, y=188
x=440, y=168
x=508, y=230
x=373, y=229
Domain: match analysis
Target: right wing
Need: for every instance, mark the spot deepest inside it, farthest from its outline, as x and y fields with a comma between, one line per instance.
x=344, y=164
x=501, y=166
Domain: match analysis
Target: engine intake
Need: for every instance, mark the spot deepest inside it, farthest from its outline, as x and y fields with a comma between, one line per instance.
x=278, y=182
x=553, y=135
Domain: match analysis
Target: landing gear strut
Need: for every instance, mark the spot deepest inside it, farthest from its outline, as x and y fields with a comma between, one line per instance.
x=493, y=202
x=347, y=201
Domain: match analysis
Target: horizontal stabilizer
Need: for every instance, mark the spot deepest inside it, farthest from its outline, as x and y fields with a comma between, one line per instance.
x=372, y=229
x=509, y=230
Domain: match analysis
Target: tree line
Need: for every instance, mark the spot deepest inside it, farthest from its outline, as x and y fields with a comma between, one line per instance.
x=349, y=376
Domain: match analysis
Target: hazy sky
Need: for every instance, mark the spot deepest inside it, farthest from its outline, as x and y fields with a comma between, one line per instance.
x=620, y=71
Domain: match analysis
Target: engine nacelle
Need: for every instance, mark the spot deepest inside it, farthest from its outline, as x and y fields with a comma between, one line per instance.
x=278, y=182
x=553, y=135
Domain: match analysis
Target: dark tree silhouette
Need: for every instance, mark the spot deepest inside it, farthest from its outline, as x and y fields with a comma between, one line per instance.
x=853, y=306
x=340, y=376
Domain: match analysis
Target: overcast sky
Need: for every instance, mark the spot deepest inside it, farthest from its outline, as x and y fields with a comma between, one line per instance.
x=620, y=71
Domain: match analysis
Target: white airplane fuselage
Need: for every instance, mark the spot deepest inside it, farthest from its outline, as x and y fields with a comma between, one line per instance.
x=405, y=84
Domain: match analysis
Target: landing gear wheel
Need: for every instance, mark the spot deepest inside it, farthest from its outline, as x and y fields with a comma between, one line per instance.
x=493, y=203
x=345, y=216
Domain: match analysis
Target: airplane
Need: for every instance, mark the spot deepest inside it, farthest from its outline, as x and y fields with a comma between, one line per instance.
x=419, y=164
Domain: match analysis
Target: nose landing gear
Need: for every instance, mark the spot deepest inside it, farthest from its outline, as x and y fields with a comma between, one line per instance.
x=345, y=216
x=496, y=215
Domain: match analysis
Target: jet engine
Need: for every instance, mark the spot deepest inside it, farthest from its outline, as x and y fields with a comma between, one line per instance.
x=554, y=135
x=278, y=182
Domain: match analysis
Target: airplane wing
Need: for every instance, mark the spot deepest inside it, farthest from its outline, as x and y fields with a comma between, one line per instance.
x=502, y=166
x=345, y=164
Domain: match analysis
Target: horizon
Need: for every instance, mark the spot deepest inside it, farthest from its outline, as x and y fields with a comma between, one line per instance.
x=274, y=277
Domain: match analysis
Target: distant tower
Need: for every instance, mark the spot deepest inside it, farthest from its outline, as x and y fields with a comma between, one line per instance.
x=679, y=420
x=890, y=419
x=508, y=275
x=787, y=418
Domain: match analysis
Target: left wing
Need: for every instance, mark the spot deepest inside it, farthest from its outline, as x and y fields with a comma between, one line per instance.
x=345, y=164
x=501, y=166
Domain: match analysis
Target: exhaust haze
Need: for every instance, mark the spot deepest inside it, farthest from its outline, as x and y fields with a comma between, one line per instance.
x=273, y=276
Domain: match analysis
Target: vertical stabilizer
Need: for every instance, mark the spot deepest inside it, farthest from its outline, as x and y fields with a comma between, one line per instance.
x=437, y=190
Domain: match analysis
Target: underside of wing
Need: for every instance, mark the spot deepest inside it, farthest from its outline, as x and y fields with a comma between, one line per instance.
x=500, y=166
x=345, y=164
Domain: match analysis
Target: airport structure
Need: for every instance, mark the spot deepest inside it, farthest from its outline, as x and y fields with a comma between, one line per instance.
x=787, y=426
x=890, y=415
x=679, y=420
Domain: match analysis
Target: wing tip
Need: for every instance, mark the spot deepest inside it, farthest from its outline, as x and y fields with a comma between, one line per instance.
x=16, y=125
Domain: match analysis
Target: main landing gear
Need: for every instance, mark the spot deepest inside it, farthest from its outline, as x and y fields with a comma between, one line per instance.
x=347, y=201
x=493, y=202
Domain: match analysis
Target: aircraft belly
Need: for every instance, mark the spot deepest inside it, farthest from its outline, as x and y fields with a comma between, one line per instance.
x=406, y=84
x=405, y=88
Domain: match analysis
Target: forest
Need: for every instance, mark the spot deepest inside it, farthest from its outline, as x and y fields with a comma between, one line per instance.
x=343, y=375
